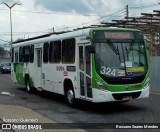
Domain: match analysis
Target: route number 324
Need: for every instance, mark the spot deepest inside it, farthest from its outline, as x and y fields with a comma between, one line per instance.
x=108, y=71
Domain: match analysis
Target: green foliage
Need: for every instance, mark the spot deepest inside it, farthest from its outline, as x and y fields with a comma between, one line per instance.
x=2, y=51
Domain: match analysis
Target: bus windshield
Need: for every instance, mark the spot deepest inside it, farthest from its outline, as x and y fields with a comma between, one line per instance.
x=120, y=59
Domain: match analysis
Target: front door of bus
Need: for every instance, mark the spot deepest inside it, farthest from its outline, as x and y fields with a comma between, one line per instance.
x=85, y=71
x=39, y=67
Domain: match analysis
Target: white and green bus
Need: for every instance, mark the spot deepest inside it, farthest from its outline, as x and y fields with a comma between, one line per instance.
x=94, y=64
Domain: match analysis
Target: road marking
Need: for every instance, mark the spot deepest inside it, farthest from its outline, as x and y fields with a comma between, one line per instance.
x=155, y=93
x=7, y=93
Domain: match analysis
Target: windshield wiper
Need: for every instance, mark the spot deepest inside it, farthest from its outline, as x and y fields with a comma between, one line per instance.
x=113, y=47
x=131, y=45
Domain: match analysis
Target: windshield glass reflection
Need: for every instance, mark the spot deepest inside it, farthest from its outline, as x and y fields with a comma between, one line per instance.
x=120, y=59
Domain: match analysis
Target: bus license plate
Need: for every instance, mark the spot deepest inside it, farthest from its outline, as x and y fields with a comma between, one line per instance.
x=127, y=98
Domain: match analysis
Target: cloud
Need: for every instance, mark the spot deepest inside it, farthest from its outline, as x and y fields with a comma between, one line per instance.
x=84, y=7
x=38, y=22
x=9, y=1
x=103, y=7
x=145, y=6
x=64, y=5
x=81, y=6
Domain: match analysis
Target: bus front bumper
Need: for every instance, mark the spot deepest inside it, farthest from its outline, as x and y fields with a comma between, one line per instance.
x=107, y=96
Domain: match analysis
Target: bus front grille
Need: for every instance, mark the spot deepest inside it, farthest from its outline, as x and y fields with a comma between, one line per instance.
x=121, y=96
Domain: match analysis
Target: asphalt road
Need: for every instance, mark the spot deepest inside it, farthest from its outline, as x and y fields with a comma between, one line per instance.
x=54, y=107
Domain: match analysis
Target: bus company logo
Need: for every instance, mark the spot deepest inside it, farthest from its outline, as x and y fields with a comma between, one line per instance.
x=6, y=126
x=59, y=68
x=65, y=73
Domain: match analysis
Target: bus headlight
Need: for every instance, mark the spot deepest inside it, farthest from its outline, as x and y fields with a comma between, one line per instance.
x=100, y=85
x=147, y=83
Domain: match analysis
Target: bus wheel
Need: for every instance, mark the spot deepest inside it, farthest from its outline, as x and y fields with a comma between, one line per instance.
x=70, y=96
x=28, y=87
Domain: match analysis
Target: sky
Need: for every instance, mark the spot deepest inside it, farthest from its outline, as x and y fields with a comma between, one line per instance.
x=37, y=17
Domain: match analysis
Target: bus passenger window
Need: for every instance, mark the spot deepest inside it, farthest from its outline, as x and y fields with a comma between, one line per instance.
x=39, y=58
x=81, y=64
x=32, y=54
x=16, y=57
x=20, y=54
x=45, y=52
x=26, y=53
x=88, y=61
x=55, y=52
x=68, y=51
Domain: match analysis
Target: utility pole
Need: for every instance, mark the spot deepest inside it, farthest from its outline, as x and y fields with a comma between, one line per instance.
x=127, y=12
x=10, y=8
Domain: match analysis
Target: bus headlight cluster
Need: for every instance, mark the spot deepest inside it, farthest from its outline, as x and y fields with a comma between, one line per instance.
x=147, y=83
x=100, y=85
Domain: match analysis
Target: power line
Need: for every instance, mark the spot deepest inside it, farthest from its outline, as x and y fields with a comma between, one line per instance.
x=86, y=23
x=101, y=18
x=115, y=16
x=75, y=14
x=67, y=28
x=97, y=20
x=59, y=13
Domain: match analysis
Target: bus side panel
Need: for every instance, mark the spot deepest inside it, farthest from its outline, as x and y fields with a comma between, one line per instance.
x=48, y=77
x=18, y=73
x=54, y=76
x=30, y=72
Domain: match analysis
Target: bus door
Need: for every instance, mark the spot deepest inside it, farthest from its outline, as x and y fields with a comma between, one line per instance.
x=85, y=72
x=39, y=67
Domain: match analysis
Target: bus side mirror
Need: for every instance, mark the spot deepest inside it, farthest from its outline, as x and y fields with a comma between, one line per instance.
x=91, y=49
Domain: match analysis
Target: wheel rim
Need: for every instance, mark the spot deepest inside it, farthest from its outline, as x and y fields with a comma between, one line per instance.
x=70, y=96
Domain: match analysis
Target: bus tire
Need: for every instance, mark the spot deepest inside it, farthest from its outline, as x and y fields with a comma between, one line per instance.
x=28, y=86
x=70, y=95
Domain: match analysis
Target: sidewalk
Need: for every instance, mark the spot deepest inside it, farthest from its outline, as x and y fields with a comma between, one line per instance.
x=20, y=113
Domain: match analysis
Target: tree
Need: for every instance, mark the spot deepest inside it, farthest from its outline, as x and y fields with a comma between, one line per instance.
x=2, y=52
